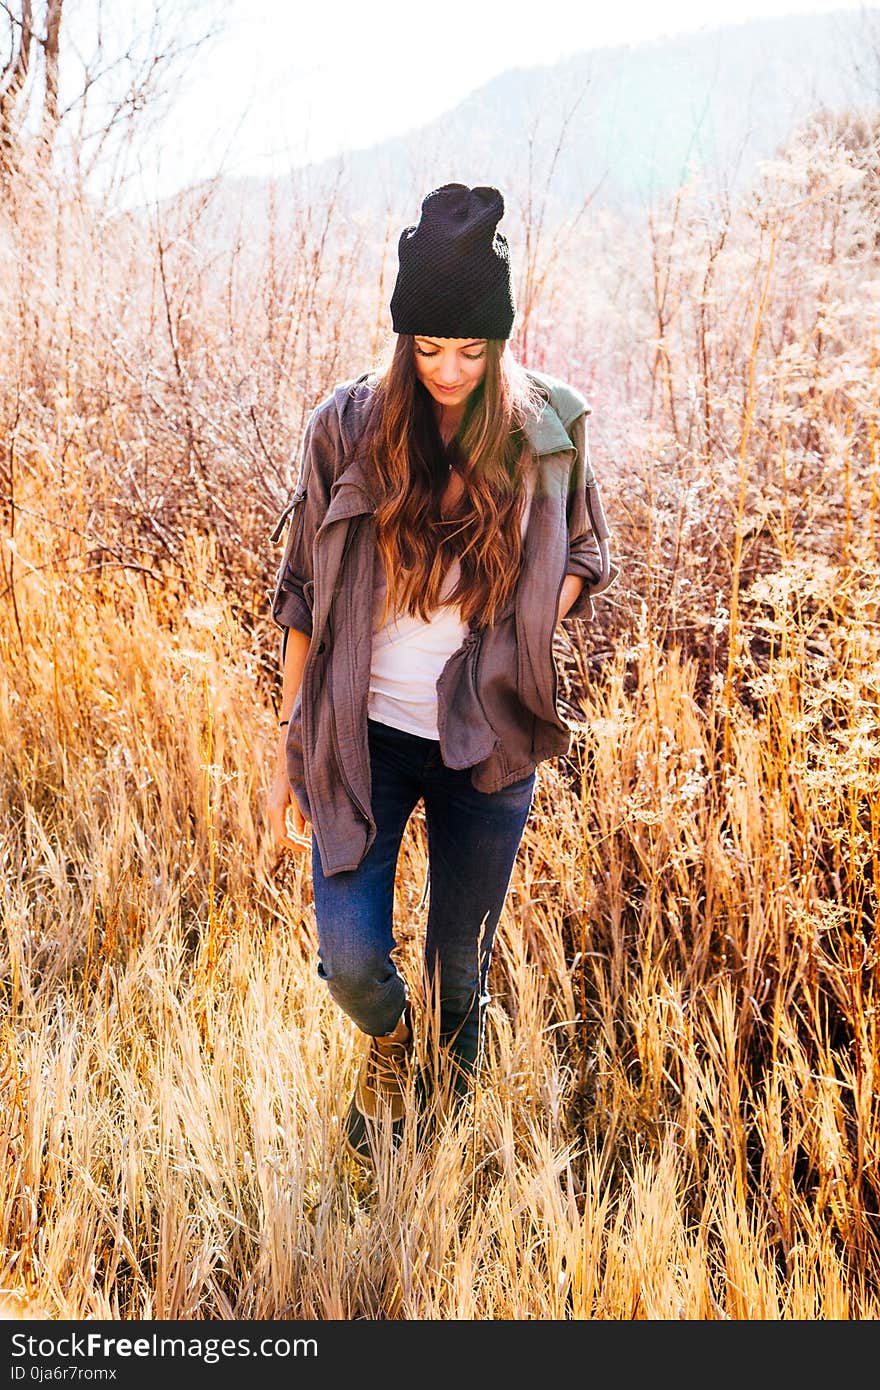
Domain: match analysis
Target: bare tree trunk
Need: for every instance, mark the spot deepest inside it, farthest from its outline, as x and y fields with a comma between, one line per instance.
x=12, y=80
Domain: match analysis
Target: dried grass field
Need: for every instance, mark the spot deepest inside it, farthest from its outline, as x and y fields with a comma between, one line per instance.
x=678, y=1116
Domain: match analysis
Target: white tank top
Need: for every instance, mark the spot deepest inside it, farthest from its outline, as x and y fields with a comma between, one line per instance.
x=409, y=654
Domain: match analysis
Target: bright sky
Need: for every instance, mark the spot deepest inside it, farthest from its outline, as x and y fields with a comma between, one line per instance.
x=288, y=82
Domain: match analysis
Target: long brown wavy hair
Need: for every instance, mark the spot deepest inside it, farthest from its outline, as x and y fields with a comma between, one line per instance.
x=411, y=467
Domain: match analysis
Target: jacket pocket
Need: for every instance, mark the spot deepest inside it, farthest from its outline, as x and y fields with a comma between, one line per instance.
x=466, y=735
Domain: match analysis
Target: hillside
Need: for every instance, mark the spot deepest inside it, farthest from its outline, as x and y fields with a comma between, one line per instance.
x=621, y=125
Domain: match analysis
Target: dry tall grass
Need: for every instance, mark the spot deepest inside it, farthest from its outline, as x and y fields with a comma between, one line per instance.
x=678, y=1113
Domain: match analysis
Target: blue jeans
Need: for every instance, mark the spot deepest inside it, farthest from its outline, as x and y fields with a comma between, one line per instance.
x=473, y=838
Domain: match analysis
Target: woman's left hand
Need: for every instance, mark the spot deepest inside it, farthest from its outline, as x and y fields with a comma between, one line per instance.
x=285, y=817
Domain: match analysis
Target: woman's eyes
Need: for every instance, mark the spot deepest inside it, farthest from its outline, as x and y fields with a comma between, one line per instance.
x=471, y=356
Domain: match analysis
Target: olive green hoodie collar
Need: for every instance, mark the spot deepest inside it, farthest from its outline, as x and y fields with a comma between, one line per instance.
x=547, y=434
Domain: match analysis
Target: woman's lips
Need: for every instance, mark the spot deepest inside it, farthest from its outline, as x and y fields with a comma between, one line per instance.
x=447, y=390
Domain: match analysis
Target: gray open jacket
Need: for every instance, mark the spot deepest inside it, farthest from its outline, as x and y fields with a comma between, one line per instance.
x=496, y=694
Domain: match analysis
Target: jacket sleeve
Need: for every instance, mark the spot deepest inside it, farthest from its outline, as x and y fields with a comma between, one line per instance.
x=294, y=584
x=589, y=552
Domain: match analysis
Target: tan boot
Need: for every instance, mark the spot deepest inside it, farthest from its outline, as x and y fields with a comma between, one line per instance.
x=381, y=1088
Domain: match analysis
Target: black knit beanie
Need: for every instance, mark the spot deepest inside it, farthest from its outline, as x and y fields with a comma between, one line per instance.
x=454, y=277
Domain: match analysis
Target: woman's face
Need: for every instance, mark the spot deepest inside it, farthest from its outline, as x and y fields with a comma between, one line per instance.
x=450, y=368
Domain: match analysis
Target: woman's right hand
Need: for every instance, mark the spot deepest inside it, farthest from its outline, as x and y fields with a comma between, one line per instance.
x=287, y=821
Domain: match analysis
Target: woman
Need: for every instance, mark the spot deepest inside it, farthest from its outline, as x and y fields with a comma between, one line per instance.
x=446, y=520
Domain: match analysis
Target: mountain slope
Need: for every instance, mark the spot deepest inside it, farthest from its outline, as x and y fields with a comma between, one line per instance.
x=639, y=118
x=623, y=124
